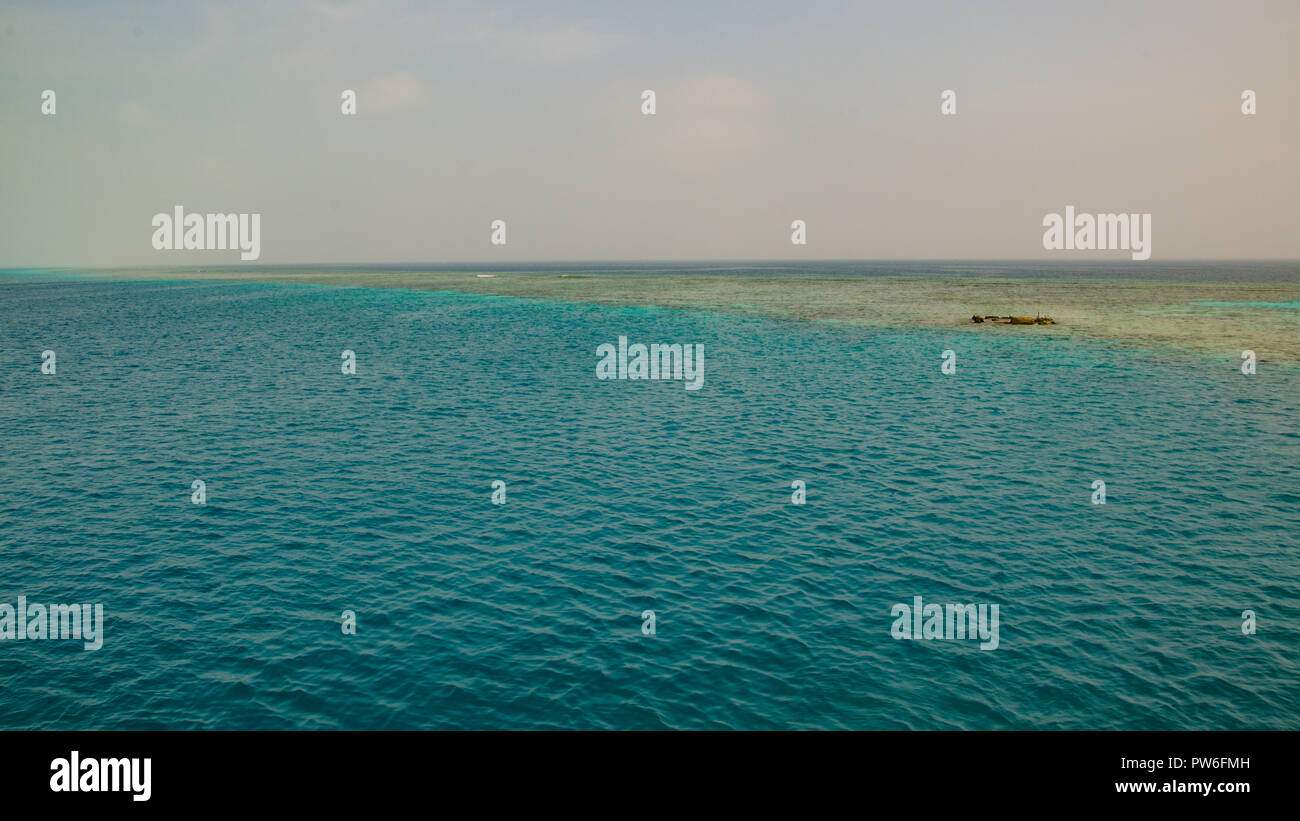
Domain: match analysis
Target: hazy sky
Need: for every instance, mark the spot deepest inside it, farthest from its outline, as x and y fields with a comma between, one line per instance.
x=531, y=112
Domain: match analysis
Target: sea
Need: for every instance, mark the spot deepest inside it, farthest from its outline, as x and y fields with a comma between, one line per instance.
x=473, y=531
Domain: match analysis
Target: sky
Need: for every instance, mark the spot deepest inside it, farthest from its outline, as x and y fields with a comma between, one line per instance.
x=530, y=112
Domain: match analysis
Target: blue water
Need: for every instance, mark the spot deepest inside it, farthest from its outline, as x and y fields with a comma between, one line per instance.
x=373, y=493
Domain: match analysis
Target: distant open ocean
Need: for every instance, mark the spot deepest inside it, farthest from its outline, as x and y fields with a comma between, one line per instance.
x=372, y=493
x=1075, y=268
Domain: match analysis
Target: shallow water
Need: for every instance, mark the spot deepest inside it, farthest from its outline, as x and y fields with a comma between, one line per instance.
x=1249, y=307
x=329, y=492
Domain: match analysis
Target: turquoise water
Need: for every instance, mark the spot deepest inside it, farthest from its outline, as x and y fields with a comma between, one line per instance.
x=373, y=493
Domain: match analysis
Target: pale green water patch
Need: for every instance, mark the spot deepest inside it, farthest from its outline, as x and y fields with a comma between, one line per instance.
x=1293, y=305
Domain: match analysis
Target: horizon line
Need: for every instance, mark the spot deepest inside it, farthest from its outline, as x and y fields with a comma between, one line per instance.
x=649, y=261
